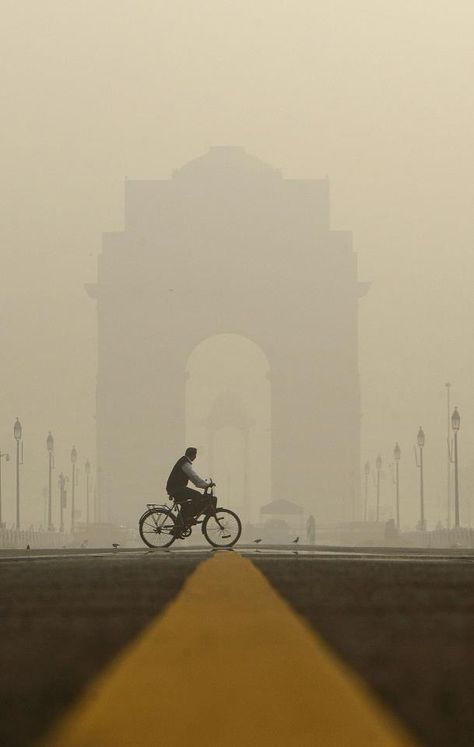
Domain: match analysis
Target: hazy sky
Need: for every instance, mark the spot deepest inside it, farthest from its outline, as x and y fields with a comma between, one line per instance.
x=376, y=94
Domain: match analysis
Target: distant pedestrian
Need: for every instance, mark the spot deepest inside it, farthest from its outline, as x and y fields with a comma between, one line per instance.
x=311, y=530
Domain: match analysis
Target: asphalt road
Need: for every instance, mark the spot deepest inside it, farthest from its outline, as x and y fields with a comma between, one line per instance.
x=62, y=620
x=405, y=625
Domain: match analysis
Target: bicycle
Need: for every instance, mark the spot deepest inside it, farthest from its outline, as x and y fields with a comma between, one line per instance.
x=159, y=525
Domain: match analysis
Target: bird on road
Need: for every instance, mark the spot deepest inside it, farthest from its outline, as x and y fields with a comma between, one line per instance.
x=295, y=541
x=258, y=540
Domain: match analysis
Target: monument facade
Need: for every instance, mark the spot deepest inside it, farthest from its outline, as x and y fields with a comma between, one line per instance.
x=227, y=245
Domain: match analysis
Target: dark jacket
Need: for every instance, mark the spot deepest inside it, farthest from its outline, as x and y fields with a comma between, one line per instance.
x=177, y=479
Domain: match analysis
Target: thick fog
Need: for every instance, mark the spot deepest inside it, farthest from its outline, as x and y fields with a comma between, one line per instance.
x=375, y=95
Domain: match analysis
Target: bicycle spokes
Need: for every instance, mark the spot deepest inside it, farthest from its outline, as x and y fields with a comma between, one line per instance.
x=222, y=528
x=156, y=528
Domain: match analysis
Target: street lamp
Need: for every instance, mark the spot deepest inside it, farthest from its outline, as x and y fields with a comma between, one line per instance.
x=455, y=425
x=17, y=433
x=448, y=444
x=88, y=471
x=378, y=465
x=50, y=447
x=421, y=443
x=397, y=452
x=73, y=484
x=7, y=459
x=366, y=486
x=62, y=500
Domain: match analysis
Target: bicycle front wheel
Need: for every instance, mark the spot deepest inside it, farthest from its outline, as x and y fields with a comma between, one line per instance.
x=156, y=527
x=222, y=529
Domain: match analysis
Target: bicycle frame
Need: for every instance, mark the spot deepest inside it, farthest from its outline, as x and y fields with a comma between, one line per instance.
x=207, y=510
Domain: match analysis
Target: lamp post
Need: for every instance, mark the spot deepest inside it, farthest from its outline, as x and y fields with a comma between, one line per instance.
x=88, y=471
x=378, y=465
x=448, y=443
x=366, y=488
x=17, y=433
x=421, y=443
x=73, y=485
x=50, y=447
x=7, y=459
x=397, y=452
x=455, y=424
x=62, y=500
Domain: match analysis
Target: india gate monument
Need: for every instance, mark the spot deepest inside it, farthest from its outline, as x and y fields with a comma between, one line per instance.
x=228, y=249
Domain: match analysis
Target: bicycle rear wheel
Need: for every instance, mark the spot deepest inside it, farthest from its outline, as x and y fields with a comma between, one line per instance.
x=155, y=527
x=222, y=529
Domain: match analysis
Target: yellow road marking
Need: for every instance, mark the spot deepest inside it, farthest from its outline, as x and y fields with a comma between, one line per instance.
x=228, y=664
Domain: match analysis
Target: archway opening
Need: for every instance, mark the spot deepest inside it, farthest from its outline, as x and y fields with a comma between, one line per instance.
x=228, y=419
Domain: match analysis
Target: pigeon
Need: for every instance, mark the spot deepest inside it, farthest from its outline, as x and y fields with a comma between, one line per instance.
x=295, y=541
x=258, y=540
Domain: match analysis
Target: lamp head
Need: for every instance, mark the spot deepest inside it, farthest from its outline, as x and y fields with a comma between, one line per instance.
x=88, y=467
x=455, y=420
x=50, y=442
x=73, y=455
x=421, y=437
x=397, y=452
x=367, y=468
x=378, y=462
x=17, y=430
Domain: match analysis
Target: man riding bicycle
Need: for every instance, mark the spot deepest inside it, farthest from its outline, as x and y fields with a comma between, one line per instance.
x=161, y=525
x=191, y=501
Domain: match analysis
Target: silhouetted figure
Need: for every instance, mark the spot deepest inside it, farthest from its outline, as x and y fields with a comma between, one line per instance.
x=115, y=545
x=390, y=530
x=311, y=530
x=191, y=501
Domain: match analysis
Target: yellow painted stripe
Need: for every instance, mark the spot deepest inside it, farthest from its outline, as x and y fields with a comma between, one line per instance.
x=228, y=664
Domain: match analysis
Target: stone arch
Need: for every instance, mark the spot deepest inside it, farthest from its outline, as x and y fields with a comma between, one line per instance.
x=228, y=245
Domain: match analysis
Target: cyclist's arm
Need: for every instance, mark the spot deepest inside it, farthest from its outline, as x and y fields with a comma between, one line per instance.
x=194, y=477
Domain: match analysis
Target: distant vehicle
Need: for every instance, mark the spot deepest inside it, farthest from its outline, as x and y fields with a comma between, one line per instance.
x=161, y=525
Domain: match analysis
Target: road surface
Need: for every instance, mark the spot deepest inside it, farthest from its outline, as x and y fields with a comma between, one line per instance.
x=403, y=623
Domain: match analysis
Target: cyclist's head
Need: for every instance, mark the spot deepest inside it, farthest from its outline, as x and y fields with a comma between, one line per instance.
x=191, y=453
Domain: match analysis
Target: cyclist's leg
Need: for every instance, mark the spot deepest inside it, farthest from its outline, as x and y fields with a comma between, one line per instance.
x=197, y=502
x=212, y=502
x=191, y=502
